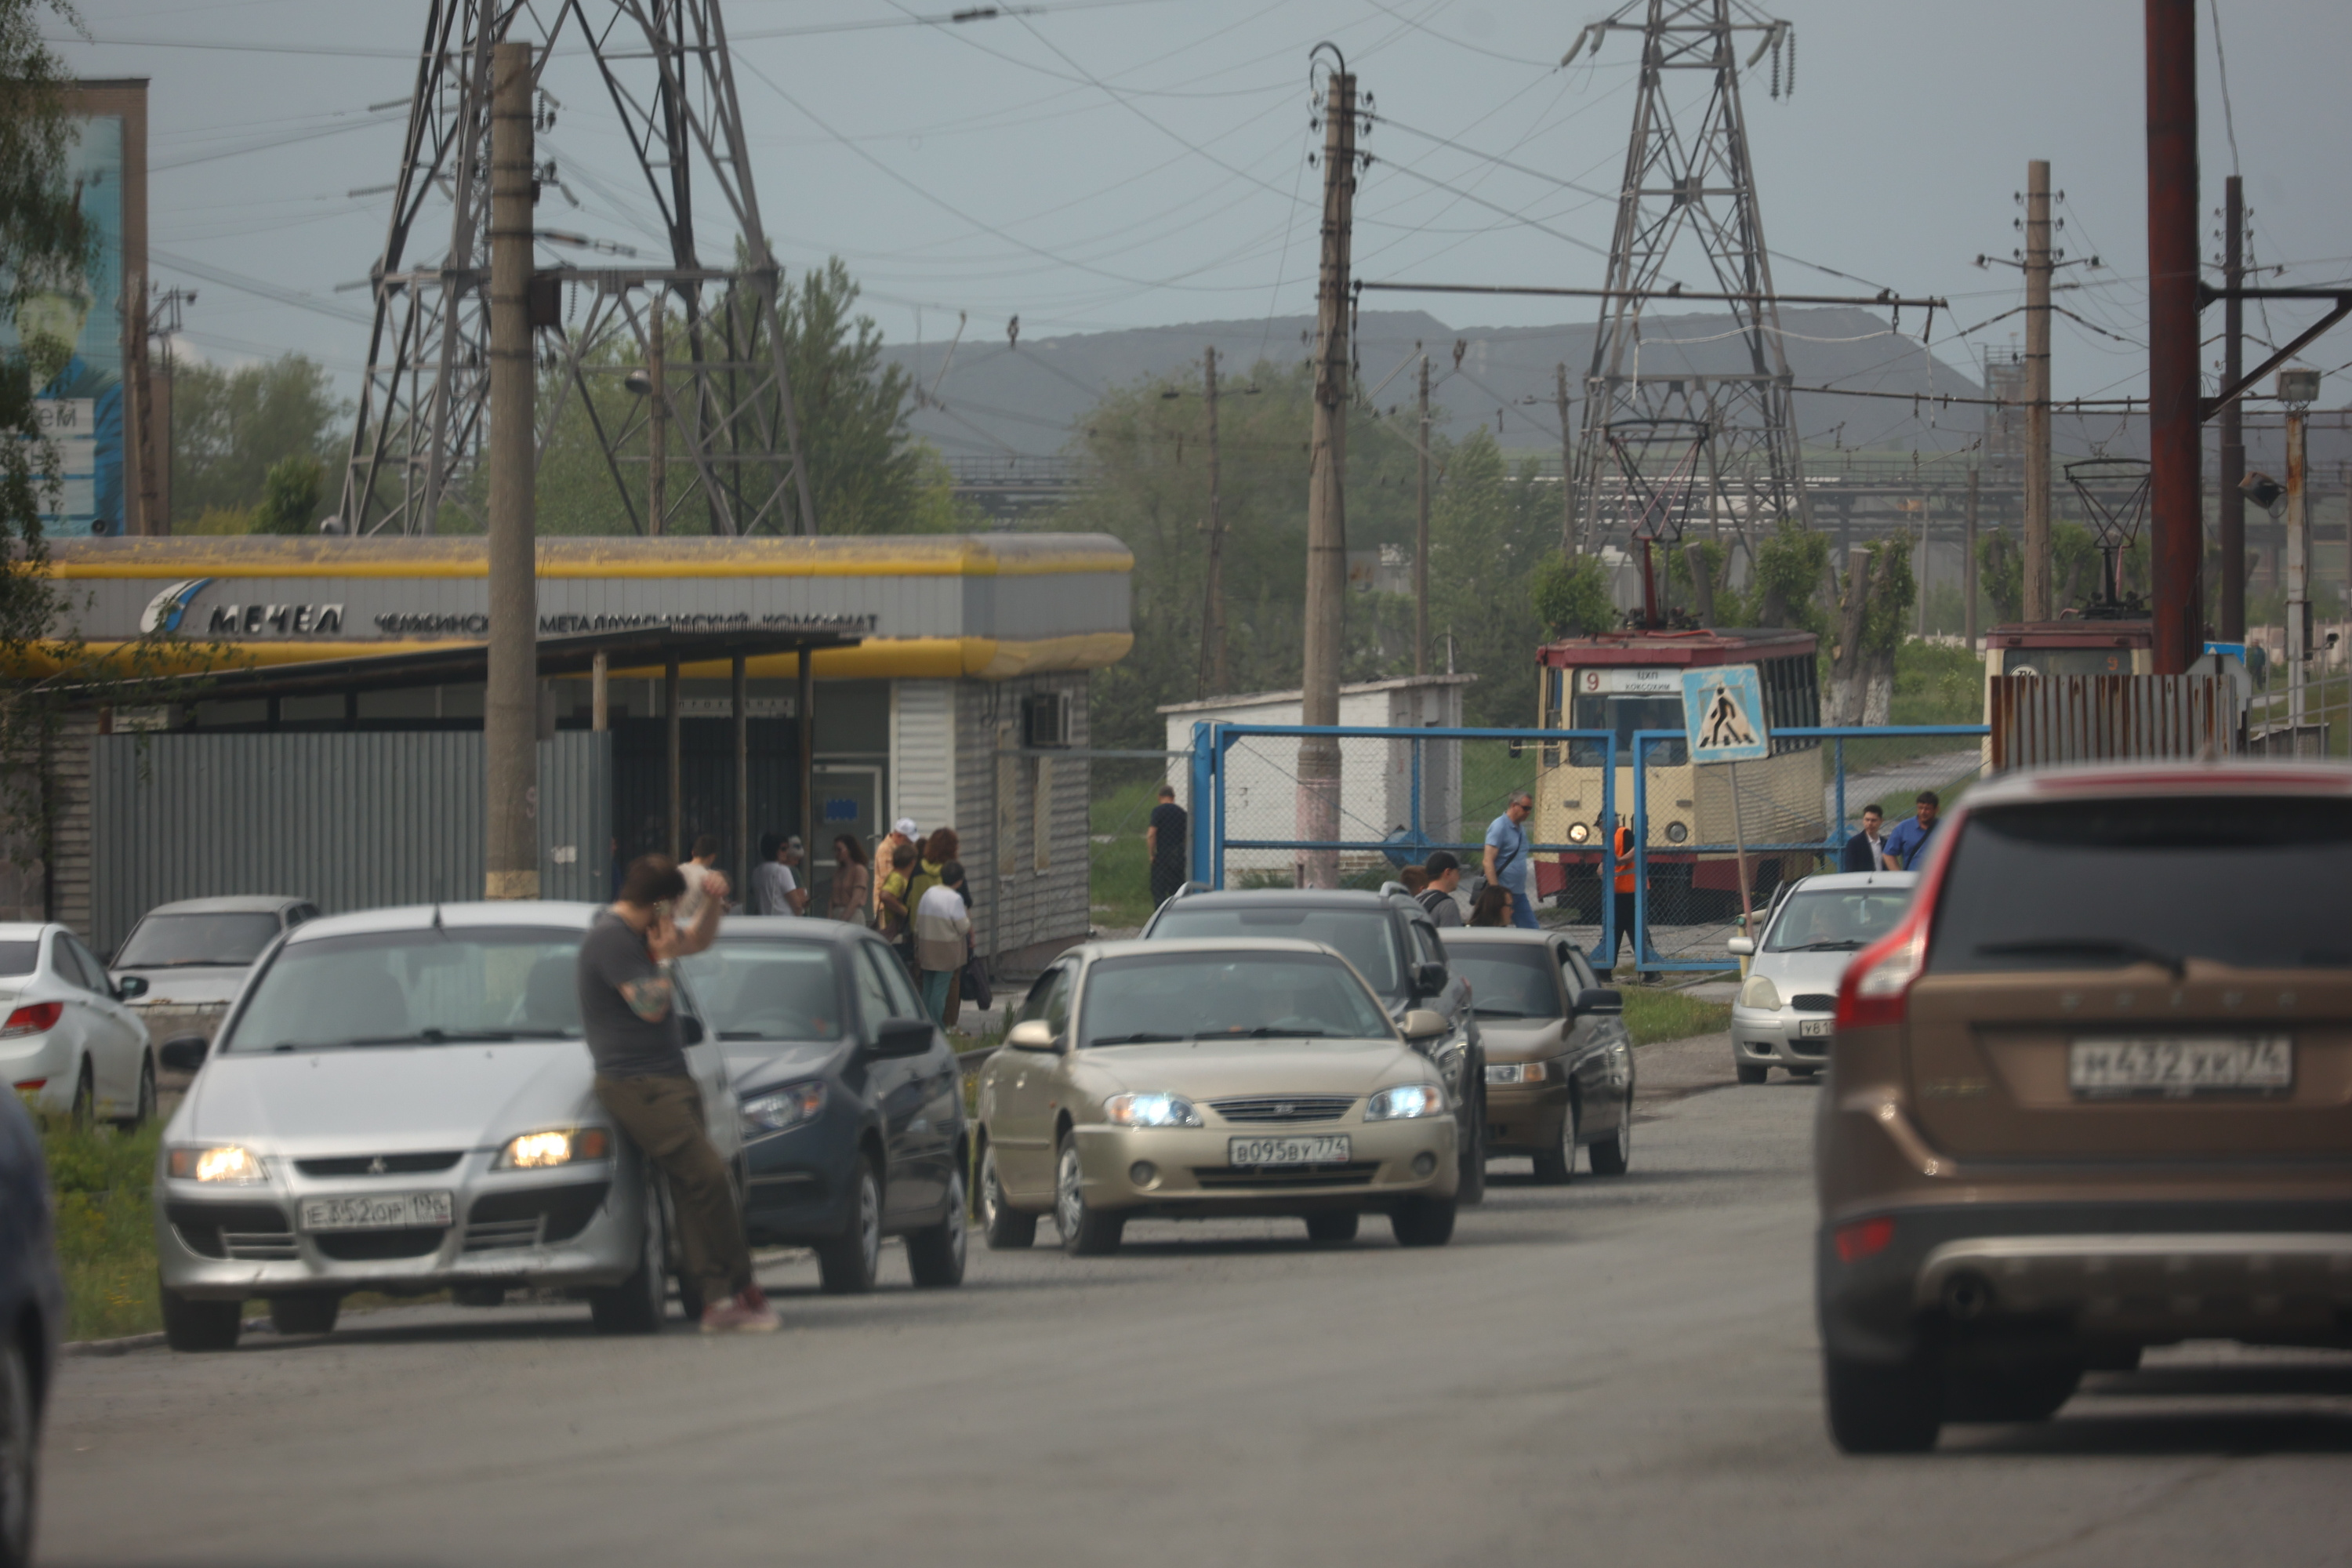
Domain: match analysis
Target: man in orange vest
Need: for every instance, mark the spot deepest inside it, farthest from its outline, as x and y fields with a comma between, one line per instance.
x=1622, y=844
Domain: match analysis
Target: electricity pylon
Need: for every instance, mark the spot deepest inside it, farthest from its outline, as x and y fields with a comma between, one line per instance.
x=1688, y=201
x=723, y=392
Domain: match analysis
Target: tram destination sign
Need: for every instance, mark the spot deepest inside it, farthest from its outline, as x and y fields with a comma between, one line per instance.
x=1723, y=712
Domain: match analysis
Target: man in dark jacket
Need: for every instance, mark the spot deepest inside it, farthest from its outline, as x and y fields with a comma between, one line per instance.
x=1864, y=849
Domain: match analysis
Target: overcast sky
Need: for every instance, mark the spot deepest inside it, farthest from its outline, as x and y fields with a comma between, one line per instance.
x=1129, y=162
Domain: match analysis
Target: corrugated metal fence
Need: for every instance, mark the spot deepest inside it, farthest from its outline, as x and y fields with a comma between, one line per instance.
x=2038, y=721
x=349, y=821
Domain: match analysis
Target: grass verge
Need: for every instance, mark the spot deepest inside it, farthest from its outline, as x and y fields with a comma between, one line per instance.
x=106, y=1238
x=1651, y=1015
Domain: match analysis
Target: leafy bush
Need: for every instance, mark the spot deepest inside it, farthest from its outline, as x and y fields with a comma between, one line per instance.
x=106, y=1239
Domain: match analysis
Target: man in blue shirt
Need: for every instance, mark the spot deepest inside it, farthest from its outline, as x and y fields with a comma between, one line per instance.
x=1508, y=865
x=1906, y=846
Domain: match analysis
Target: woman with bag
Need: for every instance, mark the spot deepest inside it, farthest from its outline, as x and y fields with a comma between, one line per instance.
x=853, y=883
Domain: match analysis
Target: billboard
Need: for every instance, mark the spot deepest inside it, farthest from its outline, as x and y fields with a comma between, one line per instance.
x=70, y=326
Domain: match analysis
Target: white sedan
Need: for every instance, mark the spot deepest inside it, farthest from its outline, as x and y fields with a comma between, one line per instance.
x=68, y=1043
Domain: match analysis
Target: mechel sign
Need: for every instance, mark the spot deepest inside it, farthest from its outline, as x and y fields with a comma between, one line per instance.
x=174, y=610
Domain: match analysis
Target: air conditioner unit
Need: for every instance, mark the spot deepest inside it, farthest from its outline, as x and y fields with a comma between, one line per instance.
x=1045, y=720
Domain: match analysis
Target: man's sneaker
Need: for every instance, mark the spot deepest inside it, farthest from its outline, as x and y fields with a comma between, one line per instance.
x=748, y=1313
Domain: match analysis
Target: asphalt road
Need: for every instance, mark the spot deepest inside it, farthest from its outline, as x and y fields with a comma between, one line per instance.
x=1618, y=1371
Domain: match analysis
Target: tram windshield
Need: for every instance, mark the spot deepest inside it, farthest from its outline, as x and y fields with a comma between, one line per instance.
x=1622, y=715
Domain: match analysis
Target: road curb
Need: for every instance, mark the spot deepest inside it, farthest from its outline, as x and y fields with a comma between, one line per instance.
x=130, y=1342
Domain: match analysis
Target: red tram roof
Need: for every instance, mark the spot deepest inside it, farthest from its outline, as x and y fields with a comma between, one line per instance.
x=1691, y=650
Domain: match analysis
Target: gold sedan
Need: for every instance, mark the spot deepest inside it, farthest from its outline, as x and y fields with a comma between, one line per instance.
x=1192, y=1079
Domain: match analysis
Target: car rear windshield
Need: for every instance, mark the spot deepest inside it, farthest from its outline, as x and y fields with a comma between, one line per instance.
x=1508, y=980
x=182, y=941
x=767, y=990
x=19, y=957
x=1836, y=920
x=411, y=988
x=1366, y=937
x=1225, y=996
x=2256, y=882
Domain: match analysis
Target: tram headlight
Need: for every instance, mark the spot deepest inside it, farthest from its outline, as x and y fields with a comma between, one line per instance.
x=1579, y=833
x=1676, y=833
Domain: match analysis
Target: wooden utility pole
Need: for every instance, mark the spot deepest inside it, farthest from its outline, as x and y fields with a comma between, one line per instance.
x=2176, y=498
x=1566, y=466
x=1211, y=674
x=1327, y=503
x=1420, y=537
x=1968, y=565
x=510, y=705
x=2232, y=531
x=2037, y=606
x=656, y=420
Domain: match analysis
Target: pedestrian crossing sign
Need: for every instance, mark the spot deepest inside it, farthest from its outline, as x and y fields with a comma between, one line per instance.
x=1723, y=713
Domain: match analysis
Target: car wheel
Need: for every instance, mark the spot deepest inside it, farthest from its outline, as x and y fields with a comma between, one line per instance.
x=1086, y=1232
x=1472, y=1189
x=193, y=1325
x=2032, y=1392
x=637, y=1304
x=1614, y=1153
x=935, y=1254
x=1751, y=1072
x=1333, y=1226
x=1877, y=1409
x=84, y=1113
x=142, y=1108
x=1424, y=1222
x=304, y=1314
x=2113, y=1358
x=850, y=1261
x=1002, y=1226
x=1555, y=1166
x=20, y=1457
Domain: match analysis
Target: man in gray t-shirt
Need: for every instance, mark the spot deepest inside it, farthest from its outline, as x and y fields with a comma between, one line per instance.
x=628, y=1012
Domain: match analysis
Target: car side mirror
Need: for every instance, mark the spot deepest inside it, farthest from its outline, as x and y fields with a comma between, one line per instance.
x=130, y=987
x=1741, y=946
x=691, y=1027
x=184, y=1053
x=1036, y=1034
x=1601, y=999
x=1426, y=1023
x=901, y=1037
x=1429, y=977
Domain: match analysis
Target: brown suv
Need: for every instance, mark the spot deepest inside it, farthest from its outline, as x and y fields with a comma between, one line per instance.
x=2093, y=1094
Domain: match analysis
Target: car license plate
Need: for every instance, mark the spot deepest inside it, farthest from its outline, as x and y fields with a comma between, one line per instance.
x=1814, y=1028
x=2179, y=1066
x=1326, y=1149
x=391, y=1212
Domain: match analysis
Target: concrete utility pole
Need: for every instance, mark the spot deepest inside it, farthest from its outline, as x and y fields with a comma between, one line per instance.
x=1968, y=565
x=2037, y=606
x=510, y=706
x=1420, y=537
x=1211, y=675
x=2176, y=442
x=1327, y=501
x=1567, y=464
x=2298, y=576
x=2233, y=521
x=657, y=419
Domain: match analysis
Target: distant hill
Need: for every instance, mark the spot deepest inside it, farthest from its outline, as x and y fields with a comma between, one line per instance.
x=1028, y=398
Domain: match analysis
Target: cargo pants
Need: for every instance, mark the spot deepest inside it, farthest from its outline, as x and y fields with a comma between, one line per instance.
x=664, y=1117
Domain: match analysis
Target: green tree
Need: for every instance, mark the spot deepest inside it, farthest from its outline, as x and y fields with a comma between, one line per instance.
x=1571, y=596
x=1492, y=531
x=289, y=496
x=1792, y=569
x=231, y=427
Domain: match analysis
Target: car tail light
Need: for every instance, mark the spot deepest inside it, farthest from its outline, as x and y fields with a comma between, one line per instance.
x=36, y=1018
x=1878, y=984
x=31, y=1085
x=1863, y=1239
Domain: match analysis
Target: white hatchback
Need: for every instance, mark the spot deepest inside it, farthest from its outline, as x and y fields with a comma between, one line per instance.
x=67, y=1042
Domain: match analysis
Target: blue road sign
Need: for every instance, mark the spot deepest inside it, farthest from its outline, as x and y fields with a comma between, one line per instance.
x=1723, y=712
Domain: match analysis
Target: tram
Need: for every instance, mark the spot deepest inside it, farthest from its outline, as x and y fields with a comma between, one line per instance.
x=1631, y=681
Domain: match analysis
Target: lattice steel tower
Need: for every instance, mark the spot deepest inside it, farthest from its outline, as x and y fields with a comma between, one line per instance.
x=713, y=412
x=1688, y=197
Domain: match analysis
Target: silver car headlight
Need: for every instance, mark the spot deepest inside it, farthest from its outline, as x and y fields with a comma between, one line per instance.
x=1152, y=1111
x=1760, y=994
x=225, y=1163
x=555, y=1146
x=794, y=1105
x=1406, y=1099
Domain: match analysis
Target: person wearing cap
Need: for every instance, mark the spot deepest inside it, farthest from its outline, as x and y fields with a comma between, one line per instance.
x=900, y=836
